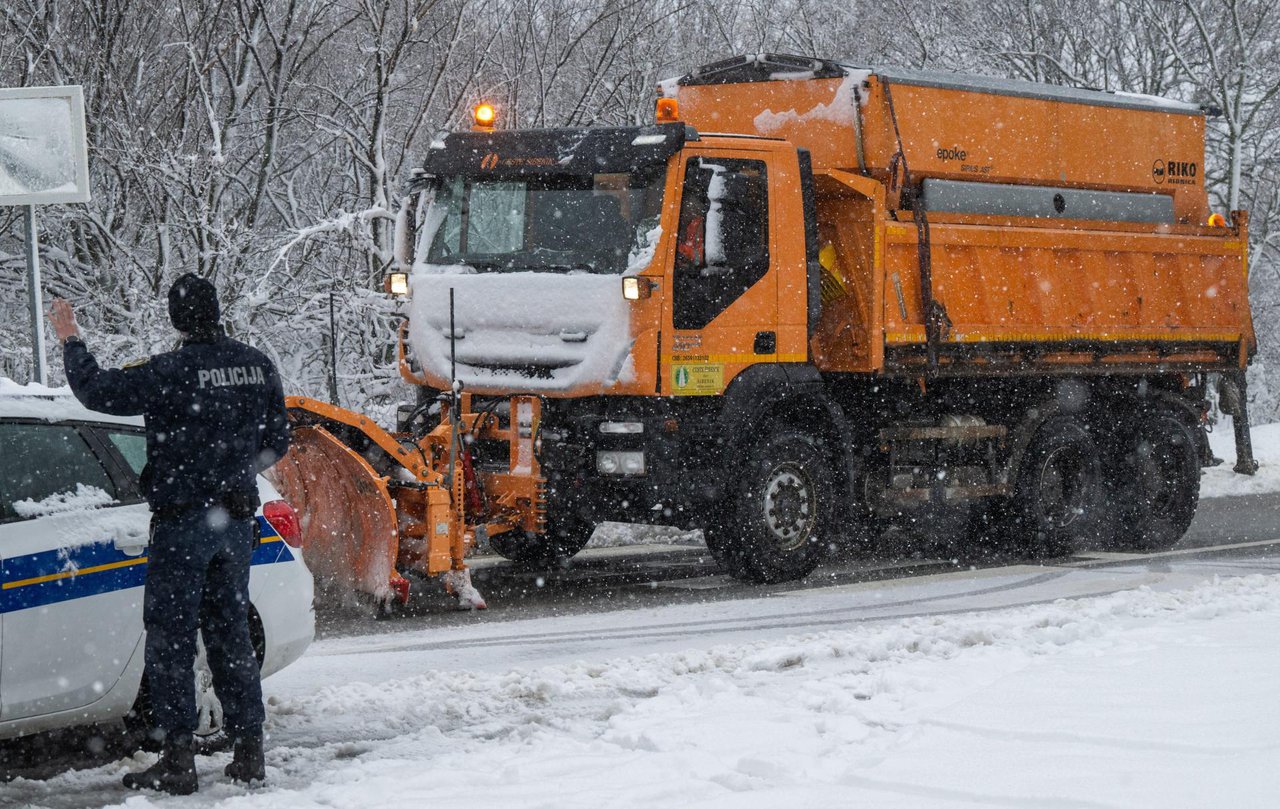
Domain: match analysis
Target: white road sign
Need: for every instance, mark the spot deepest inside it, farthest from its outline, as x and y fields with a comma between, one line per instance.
x=43, y=154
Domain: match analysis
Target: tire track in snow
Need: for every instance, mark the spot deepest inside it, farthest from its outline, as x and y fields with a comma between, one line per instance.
x=706, y=627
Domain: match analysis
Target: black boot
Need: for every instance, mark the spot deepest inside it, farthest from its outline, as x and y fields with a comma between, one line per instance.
x=247, y=762
x=174, y=773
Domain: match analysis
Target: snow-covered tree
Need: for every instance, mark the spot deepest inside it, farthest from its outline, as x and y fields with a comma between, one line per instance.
x=263, y=143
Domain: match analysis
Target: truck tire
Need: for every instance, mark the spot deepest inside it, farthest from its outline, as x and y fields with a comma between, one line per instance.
x=1058, y=495
x=565, y=536
x=777, y=523
x=1155, y=484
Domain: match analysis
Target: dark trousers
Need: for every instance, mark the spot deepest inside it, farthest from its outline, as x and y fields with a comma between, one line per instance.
x=198, y=578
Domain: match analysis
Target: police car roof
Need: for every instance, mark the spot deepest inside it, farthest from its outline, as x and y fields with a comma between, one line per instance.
x=51, y=404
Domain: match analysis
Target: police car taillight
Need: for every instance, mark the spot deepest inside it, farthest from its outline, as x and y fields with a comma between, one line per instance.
x=284, y=519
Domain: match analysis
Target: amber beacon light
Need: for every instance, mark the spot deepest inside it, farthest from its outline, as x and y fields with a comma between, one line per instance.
x=485, y=116
x=668, y=111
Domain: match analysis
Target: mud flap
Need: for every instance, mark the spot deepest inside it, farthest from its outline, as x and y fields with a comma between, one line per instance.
x=1233, y=393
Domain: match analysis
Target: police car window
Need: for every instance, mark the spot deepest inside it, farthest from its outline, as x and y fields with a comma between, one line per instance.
x=133, y=446
x=45, y=467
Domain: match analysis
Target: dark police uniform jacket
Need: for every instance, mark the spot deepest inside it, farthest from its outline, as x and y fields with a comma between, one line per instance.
x=215, y=418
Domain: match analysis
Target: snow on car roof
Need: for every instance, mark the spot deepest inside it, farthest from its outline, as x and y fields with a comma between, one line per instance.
x=50, y=404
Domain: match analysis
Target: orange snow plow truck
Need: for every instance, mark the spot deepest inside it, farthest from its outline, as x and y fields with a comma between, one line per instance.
x=810, y=302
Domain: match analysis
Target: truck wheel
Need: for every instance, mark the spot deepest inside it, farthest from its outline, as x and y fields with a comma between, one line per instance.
x=777, y=524
x=565, y=536
x=1156, y=485
x=1058, y=493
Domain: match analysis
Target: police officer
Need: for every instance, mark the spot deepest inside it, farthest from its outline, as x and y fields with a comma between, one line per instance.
x=215, y=418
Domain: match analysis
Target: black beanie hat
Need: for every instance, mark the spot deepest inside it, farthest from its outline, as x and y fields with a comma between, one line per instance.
x=193, y=305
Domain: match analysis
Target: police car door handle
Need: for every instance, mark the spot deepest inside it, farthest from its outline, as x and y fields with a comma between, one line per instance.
x=130, y=546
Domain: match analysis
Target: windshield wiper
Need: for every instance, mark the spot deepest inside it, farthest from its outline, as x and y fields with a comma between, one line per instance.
x=476, y=260
x=581, y=266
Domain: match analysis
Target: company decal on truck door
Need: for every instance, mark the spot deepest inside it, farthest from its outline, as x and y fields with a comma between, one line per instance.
x=702, y=379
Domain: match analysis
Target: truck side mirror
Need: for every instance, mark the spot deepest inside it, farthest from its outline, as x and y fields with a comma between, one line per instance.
x=741, y=222
x=402, y=241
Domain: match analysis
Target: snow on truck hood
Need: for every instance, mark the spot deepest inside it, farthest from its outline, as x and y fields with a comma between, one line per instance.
x=539, y=331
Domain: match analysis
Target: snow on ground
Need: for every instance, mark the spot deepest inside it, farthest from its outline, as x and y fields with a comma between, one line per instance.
x=1160, y=695
x=1221, y=481
x=1140, y=698
x=620, y=534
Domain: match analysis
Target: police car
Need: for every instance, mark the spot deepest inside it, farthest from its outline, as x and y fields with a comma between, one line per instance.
x=73, y=558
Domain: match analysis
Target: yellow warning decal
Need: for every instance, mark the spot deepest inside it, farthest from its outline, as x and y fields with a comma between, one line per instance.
x=697, y=380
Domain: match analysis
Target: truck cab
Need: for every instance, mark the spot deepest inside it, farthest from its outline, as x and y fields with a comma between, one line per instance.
x=581, y=259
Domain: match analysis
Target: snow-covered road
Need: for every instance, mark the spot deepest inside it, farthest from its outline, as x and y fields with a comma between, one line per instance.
x=1005, y=687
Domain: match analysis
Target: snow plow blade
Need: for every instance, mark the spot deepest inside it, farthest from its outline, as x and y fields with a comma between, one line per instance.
x=348, y=517
x=372, y=507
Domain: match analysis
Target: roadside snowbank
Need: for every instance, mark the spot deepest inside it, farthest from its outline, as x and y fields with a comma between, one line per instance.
x=1221, y=481
x=1142, y=698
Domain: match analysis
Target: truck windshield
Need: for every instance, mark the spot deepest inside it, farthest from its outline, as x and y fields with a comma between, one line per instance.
x=600, y=223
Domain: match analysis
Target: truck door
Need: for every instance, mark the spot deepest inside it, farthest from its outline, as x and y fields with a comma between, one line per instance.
x=723, y=302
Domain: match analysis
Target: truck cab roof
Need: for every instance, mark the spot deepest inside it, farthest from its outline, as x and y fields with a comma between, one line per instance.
x=520, y=153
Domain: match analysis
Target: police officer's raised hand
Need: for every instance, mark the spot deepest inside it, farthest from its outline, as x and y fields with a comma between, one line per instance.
x=63, y=320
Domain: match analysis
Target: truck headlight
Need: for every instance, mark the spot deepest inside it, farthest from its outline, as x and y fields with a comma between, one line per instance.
x=398, y=284
x=613, y=462
x=636, y=287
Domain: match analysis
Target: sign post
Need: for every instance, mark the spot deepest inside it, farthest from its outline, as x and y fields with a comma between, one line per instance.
x=44, y=160
x=39, y=368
